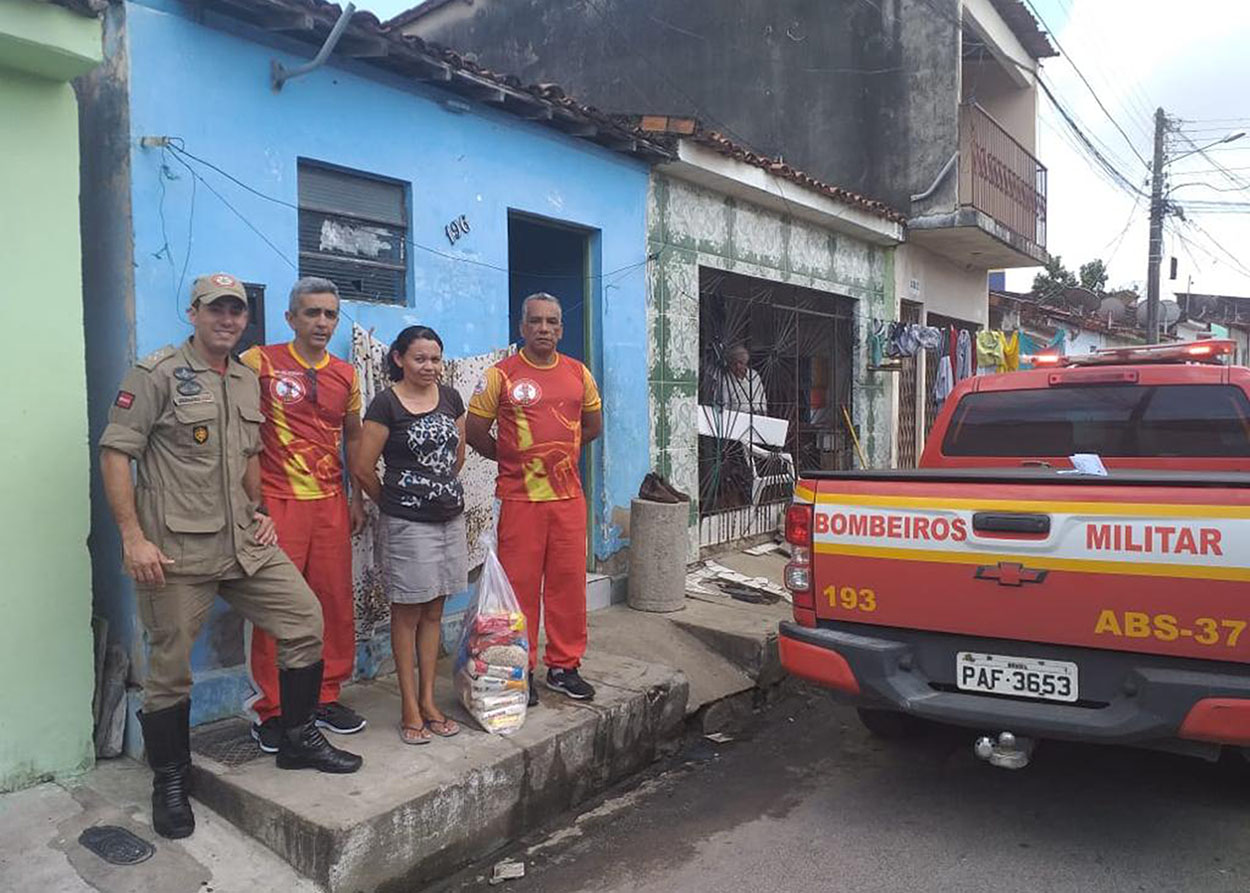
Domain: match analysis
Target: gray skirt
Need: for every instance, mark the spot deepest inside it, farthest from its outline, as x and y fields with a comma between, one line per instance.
x=423, y=560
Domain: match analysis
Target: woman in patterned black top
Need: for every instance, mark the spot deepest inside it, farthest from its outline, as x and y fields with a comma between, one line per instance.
x=417, y=427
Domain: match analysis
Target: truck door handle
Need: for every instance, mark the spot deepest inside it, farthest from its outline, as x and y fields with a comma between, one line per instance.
x=1011, y=522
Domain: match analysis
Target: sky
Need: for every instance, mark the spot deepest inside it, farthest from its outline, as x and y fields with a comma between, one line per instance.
x=1193, y=60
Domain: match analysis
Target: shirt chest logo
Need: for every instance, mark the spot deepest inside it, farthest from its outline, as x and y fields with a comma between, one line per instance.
x=288, y=388
x=526, y=392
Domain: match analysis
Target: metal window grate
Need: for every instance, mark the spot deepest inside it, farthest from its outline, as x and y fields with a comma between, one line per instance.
x=908, y=395
x=801, y=343
x=353, y=230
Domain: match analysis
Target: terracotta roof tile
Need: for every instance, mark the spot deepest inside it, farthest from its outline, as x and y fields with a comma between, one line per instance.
x=672, y=129
x=409, y=55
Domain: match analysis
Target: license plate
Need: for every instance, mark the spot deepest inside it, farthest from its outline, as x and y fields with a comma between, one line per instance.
x=1023, y=677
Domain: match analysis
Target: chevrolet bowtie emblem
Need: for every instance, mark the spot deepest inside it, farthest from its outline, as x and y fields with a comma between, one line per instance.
x=1007, y=573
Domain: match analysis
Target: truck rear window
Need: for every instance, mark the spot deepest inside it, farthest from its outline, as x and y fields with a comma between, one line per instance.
x=1189, y=421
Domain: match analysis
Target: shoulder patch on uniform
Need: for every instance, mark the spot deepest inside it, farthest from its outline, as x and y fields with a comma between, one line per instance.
x=156, y=357
x=124, y=400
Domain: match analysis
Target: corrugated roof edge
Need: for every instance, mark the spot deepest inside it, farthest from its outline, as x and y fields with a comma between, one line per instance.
x=367, y=39
x=1026, y=27
x=670, y=130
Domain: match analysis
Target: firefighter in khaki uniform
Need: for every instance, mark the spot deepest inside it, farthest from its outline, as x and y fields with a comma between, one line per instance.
x=192, y=528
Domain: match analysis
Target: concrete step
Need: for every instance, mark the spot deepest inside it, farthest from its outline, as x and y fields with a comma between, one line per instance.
x=598, y=592
x=660, y=638
x=744, y=634
x=416, y=813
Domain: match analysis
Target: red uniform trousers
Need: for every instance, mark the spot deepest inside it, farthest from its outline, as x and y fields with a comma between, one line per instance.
x=542, y=547
x=316, y=535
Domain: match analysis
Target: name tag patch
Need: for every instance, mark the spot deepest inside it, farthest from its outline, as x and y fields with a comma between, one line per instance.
x=185, y=399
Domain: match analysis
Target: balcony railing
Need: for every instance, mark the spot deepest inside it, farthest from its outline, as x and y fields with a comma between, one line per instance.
x=999, y=177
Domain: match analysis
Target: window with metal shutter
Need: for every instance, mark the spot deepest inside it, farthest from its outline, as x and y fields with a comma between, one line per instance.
x=353, y=230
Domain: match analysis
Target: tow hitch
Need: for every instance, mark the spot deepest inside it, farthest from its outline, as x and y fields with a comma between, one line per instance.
x=1009, y=752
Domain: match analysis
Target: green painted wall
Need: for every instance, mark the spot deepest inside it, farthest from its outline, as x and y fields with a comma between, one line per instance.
x=45, y=640
x=690, y=227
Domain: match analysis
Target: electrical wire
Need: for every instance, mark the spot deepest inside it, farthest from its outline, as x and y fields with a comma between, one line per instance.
x=1122, y=179
x=1119, y=240
x=180, y=150
x=1237, y=263
x=1202, y=151
x=240, y=215
x=1138, y=102
x=1088, y=85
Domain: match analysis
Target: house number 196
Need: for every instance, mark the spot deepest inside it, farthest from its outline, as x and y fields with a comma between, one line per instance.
x=456, y=229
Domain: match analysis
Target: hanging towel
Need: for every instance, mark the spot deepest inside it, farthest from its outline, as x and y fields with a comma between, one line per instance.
x=1011, y=352
x=942, y=382
x=989, y=349
x=964, y=356
x=928, y=337
x=876, y=343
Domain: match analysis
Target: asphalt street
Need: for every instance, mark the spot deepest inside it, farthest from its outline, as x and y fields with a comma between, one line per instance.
x=808, y=800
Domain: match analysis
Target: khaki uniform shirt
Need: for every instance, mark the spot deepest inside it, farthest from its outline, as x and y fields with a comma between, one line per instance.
x=191, y=430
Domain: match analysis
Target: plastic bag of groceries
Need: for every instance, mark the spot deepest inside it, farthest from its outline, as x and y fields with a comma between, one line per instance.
x=492, y=659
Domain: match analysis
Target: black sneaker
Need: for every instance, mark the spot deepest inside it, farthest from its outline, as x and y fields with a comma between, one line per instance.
x=267, y=734
x=571, y=683
x=533, y=701
x=339, y=718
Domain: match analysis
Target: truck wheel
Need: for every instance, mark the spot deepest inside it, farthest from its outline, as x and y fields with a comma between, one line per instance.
x=889, y=724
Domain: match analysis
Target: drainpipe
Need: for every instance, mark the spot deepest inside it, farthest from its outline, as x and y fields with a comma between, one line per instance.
x=946, y=169
x=280, y=74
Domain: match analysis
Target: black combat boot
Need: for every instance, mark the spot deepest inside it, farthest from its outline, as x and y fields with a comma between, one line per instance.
x=167, y=740
x=302, y=746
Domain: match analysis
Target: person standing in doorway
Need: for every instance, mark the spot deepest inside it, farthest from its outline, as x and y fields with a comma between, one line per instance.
x=417, y=427
x=740, y=388
x=547, y=406
x=311, y=402
x=191, y=527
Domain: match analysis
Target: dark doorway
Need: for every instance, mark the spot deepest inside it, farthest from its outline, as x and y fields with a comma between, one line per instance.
x=553, y=257
x=550, y=257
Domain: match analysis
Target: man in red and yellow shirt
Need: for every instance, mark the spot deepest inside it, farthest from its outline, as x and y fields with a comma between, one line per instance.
x=546, y=406
x=311, y=402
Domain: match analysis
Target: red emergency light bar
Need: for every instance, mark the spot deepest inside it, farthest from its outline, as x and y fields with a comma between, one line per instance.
x=1211, y=350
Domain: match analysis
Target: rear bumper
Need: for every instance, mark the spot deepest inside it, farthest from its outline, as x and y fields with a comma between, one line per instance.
x=1126, y=698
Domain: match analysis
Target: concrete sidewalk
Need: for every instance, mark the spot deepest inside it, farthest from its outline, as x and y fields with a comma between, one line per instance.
x=414, y=813
x=40, y=853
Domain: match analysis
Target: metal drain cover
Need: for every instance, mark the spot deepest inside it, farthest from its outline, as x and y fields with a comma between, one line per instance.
x=116, y=845
x=229, y=742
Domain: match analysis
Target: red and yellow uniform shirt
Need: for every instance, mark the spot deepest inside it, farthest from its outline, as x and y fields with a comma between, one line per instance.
x=304, y=409
x=539, y=411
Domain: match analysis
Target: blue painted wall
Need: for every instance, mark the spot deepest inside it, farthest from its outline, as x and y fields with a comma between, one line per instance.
x=208, y=86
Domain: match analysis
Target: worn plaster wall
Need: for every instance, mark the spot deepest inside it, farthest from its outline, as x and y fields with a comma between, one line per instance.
x=204, y=80
x=690, y=226
x=940, y=285
x=45, y=639
x=862, y=93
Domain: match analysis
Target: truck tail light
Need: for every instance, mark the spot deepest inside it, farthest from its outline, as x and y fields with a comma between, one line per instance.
x=799, y=524
x=798, y=573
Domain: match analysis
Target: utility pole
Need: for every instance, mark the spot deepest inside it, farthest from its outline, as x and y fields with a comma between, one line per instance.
x=1156, y=231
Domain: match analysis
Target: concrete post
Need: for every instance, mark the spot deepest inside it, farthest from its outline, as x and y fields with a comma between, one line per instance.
x=657, y=555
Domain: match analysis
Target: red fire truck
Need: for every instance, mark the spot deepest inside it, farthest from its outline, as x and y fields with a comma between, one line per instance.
x=993, y=588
